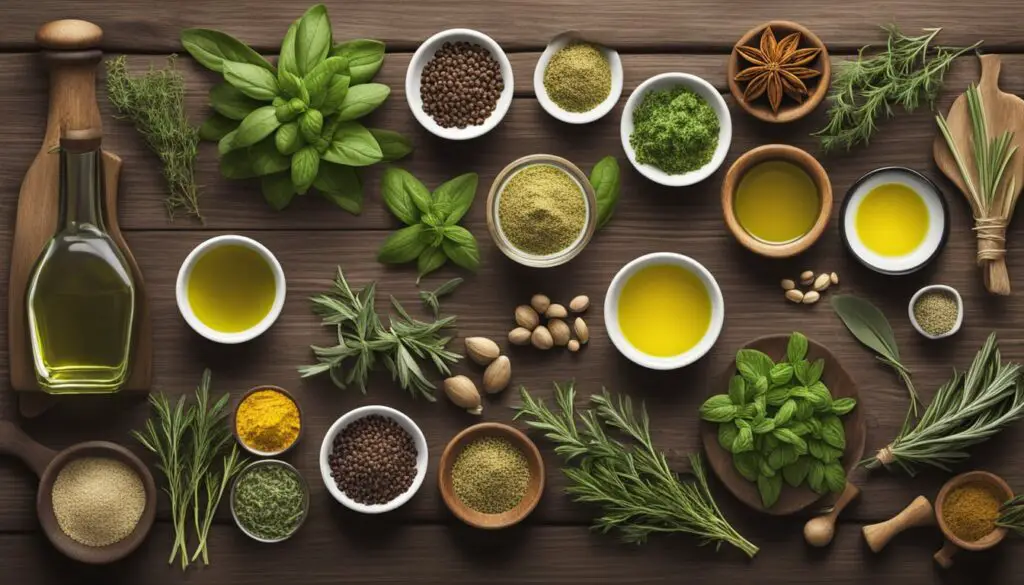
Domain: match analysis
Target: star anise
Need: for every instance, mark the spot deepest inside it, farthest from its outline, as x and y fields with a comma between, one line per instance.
x=777, y=67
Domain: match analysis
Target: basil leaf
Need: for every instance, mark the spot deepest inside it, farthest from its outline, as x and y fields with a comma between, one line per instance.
x=835, y=477
x=781, y=374
x=719, y=408
x=752, y=363
x=292, y=86
x=213, y=48
x=727, y=433
x=287, y=139
x=785, y=413
x=311, y=123
x=744, y=440
x=353, y=145
x=401, y=190
x=227, y=143
x=305, y=166
x=800, y=370
x=738, y=390
x=816, y=476
x=457, y=196
x=816, y=448
x=764, y=426
x=796, y=348
x=819, y=397
x=337, y=89
x=801, y=428
x=804, y=410
x=277, y=190
x=319, y=79
x=795, y=473
x=814, y=371
x=787, y=436
x=289, y=110
x=778, y=396
x=255, y=127
x=352, y=203
x=216, y=127
x=364, y=56
x=265, y=159
x=403, y=246
x=231, y=103
x=312, y=39
x=286, y=60
x=747, y=464
x=843, y=406
x=832, y=431
x=339, y=181
x=236, y=165
x=780, y=457
x=605, y=179
x=393, y=145
x=252, y=80
x=769, y=488
x=430, y=260
x=361, y=100
x=460, y=247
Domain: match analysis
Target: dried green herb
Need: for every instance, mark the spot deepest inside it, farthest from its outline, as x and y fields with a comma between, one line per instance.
x=674, y=130
x=269, y=500
x=1011, y=515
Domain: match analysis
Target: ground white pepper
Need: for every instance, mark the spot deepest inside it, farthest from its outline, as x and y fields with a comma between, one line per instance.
x=936, y=312
x=491, y=475
x=542, y=210
x=578, y=77
x=97, y=500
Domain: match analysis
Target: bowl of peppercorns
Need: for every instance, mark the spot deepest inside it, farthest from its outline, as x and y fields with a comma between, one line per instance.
x=459, y=84
x=373, y=459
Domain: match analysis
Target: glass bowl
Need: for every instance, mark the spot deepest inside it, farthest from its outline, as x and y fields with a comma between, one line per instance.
x=305, y=503
x=494, y=222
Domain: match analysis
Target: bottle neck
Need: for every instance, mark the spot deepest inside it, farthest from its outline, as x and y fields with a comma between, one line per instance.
x=80, y=190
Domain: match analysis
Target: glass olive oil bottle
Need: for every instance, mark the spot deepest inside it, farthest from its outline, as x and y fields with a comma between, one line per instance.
x=81, y=295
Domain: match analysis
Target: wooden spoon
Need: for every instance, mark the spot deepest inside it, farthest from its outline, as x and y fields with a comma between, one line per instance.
x=821, y=530
x=918, y=513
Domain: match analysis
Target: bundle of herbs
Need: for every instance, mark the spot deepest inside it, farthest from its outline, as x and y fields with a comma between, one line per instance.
x=631, y=482
x=188, y=438
x=1011, y=515
x=363, y=339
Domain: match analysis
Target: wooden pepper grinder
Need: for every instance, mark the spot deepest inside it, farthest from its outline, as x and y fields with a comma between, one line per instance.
x=918, y=513
x=821, y=530
x=71, y=53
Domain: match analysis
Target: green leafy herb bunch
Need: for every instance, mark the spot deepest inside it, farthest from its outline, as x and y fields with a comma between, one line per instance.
x=294, y=126
x=432, y=235
x=781, y=423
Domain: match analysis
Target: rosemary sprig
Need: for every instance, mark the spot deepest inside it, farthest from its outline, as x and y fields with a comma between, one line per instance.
x=966, y=410
x=432, y=299
x=632, y=484
x=1011, y=515
x=908, y=72
x=362, y=338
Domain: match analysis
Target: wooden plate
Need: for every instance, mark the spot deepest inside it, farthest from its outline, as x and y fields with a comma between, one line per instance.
x=792, y=499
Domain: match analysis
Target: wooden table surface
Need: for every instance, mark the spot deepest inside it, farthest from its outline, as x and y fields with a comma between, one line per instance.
x=422, y=541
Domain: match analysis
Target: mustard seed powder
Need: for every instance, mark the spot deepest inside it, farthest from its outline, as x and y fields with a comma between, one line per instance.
x=542, y=210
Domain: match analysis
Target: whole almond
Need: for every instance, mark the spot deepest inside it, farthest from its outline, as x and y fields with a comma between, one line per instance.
x=556, y=311
x=579, y=304
x=581, y=329
x=834, y=278
x=482, y=350
x=541, y=338
x=574, y=345
x=822, y=282
x=497, y=375
x=788, y=284
x=526, y=317
x=463, y=393
x=559, y=332
x=811, y=297
x=806, y=277
x=795, y=295
x=519, y=336
x=540, y=303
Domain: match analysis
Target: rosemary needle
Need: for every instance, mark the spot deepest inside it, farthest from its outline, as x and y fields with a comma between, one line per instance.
x=432, y=299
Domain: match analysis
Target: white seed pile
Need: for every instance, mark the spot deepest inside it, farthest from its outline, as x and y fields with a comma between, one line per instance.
x=97, y=500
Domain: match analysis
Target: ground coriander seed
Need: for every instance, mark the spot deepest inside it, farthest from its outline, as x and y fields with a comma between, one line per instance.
x=542, y=210
x=578, y=77
x=936, y=312
x=491, y=475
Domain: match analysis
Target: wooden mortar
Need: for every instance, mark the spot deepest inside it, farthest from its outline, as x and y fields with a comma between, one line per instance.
x=954, y=543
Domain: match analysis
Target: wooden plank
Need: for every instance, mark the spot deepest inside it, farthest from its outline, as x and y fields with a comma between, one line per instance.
x=681, y=25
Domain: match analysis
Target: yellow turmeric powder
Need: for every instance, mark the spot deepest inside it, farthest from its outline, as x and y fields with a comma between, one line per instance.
x=970, y=511
x=267, y=421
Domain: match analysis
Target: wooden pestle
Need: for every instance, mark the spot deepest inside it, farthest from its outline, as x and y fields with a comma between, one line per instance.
x=918, y=513
x=821, y=530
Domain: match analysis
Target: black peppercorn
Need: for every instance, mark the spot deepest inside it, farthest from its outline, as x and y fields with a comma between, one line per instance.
x=460, y=86
x=373, y=460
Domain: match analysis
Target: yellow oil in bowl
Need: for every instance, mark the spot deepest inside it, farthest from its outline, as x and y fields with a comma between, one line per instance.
x=664, y=310
x=777, y=202
x=231, y=288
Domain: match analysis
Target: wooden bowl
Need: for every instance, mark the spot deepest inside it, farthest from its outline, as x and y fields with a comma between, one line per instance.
x=234, y=419
x=791, y=154
x=791, y=499
x=790, y=110
x=533, y=490
x=954, y=543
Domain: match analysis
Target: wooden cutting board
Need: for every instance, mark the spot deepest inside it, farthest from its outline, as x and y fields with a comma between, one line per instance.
x=72, y=57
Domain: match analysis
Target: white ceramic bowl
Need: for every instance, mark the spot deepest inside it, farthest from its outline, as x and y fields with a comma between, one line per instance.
x=185, y=272
x=426, y=52
x=704, y=90
x=551, y=107
x=348, y=418
x=959, y=309
x=611, y=311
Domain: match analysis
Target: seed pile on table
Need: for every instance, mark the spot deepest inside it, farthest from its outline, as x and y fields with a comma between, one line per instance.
x=578, y=77
x=555, y=331
x=936, y=312
x=373, y=460
x=490, y=475
x=460, y=85
x=97, y=500
x=817, y=285
x=269, y=501
x=542, y=210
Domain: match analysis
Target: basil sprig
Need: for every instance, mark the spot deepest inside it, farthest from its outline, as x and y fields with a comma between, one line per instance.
x=295, y=126
x=604, y=178
x=432, y=236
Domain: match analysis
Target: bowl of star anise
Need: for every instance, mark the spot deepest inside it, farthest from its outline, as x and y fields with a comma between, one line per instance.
x=779, y=71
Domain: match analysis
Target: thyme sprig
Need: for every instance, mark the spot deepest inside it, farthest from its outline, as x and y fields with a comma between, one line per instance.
x=632, y=483
x=1011, y=515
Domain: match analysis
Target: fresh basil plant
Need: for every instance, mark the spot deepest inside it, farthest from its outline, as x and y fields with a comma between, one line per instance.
x=295, y=126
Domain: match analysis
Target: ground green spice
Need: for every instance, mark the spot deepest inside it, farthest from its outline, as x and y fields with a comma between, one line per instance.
x=490, y=475
x=269, y=501
x=674, y=130
x=578, y=77
x=936, y=312
x=542, y=210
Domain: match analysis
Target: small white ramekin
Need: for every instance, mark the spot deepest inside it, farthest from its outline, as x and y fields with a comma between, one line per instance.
x=185, y=272
x=348, y=418
x=937, y=288
x=425, y=53
x=703, y=89
x=551, y=107
x=611, y=311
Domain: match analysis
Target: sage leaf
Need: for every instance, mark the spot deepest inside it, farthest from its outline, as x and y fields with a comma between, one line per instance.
x=278, y=190
x=460, y=247
x=393, y=145
x=738, y=390
x=255, y=127
x=305, y=166
x=311, y=123
x=796, y=348
x=835, y=477
x=319, y=79
x=867, y=324
x=231, y=103
x=727, y=433
x=292, y=86
x=769, y=488
x=312, y=39
x=265, y=159
x=287, y=139
x=361, y=100
x=213, y=48
x=236, y=165
x=605, y=180
x=456, y=196
x=337, y=89
x=843, y=406
x=252, y=80
x=286, y=59
x=795, y=473
x=402, y=246
x=752, y=363
x=364, y=56
x=216, y=127
x=718, y=409
x=748, y=465
x=400, y=190
x=430, y=260
x=353, y=145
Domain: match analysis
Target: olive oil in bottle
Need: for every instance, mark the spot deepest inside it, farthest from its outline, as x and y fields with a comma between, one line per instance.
x=81, y=295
